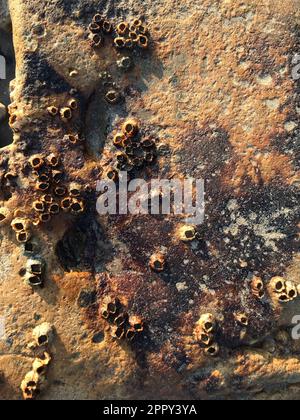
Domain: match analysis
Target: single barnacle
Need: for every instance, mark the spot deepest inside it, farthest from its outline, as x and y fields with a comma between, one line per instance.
x=66, y=204
x=127, y=142
x=53, y=160
x=104, y=313
x=30, y=385
x=43, y=334
x=277, y=284
x=4, y=216
x=291, y=290
x=111, y=174
x=118, y=332
x=43, y=177
x=95, y=27
x=142, y=41
x=242, y=319
x=283, y=297
x=207, y=322
x=33, y=280
x=130, y=334
x=136, y=22
x=121, y=157
x=212, y=350
x=112, y=97
x=35, y=266
x=147, y=143
x=36, y=162
x=121, y=319
x=107, y=27
x=57, y=176
x=23, y=236
x=158, y=262
x=75, y=189
x=42, y=186
x=38, y=206
x=204, y=338
x=133, y=35
x=19, y=224
x=125, y=63
x=130, y=127
x=74, y=139
x=98, y=18
x=187, y=233
x=47, y=198
x=54, y=208
x=111, y=305
x=122, y=28
x=45, y=217
x=53, y=110
x=96, y=40
x=142, y=29
x=66, y=113
x=73, y=103
x=77, y=206
x=136, y=323
x=129, y=43
x=120, y=42
x=60, y=191
x=118, y=139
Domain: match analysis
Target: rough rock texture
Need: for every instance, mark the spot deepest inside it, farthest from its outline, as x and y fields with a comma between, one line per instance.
x=215, y=89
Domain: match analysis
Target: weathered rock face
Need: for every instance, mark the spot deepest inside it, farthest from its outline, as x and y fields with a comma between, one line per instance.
x=215, y=91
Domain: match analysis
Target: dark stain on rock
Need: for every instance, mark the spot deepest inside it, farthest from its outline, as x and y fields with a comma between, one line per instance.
x=41, y=78
x=84, y=246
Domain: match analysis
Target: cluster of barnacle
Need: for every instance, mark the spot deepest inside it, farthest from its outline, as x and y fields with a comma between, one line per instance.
x=204, y=334
x=286, y=291
x=54, y=195
x=65, y=112
x=22, y=228
x=33, y=273
x=123, y=325
x=125, y=34
x=35, y=379
x=134, y=149
x=112, y=91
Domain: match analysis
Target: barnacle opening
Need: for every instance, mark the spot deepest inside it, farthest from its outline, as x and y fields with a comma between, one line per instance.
x=38, y=206
x=23, y=236
x=66, y=113
x=54, y=208
x=120, y=42
x=66, y=203
x=45, y=217
x=130, y=128
x=107, y=26
x=122, y=28
x=112, y=97
x=142, y=41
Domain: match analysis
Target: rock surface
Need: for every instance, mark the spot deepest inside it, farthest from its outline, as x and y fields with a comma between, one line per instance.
x=215, y=89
